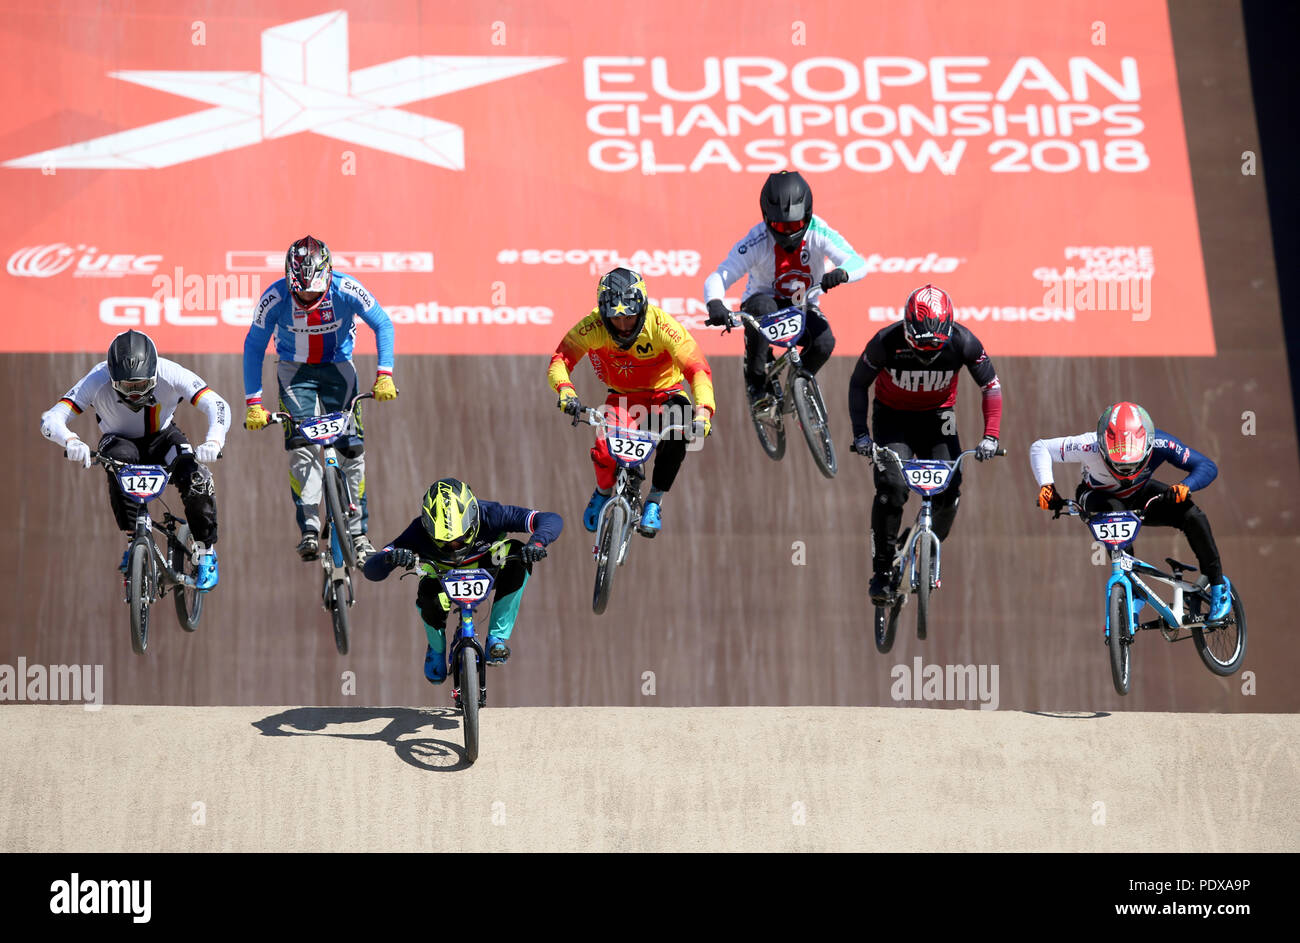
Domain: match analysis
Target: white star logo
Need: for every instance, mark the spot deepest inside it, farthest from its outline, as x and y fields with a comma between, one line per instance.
x=304, y=85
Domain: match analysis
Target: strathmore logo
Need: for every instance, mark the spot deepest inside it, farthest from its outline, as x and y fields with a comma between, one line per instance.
x=49, y=260
x=354, y=263
x=304, y=84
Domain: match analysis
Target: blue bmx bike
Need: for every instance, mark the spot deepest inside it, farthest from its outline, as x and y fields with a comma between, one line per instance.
x=1221, y=644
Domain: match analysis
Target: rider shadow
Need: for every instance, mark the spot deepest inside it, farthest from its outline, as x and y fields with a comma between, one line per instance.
x=1071, y=715
x=425, y=753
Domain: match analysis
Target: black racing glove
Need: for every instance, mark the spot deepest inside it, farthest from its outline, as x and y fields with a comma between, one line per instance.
x=719, y=313
x=402, y=558
x=532, y=552
x=836, y=276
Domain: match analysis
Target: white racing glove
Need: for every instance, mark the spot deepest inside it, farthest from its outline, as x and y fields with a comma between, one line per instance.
x=77, y=451
x=208, y=452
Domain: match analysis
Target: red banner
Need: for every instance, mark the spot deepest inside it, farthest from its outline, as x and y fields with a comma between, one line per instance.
x=478, y=173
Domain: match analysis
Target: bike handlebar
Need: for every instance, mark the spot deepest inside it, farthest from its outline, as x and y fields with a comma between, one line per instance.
x=737, y=318
x=592, y=417
x=282, y=417
x=1072, y=508
x=951, y=463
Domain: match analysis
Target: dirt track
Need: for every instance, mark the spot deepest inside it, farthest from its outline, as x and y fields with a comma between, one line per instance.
x=390, y=779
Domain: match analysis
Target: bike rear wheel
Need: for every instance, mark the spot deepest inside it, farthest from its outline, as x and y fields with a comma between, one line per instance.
x=1222, y=646
x=812, y=419
x=1120, y=642
x=469, y=699
x=923, y=567
x=608, y=549
x=335, y=489
x=140, y=594
x=340, y=615
x=770, y=428
x=189, y=601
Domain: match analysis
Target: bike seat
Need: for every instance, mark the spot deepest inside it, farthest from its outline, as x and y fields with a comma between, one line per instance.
x=1175, y=565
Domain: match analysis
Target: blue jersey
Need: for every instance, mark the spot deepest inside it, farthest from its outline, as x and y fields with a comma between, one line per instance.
x=495, y=522
x=325, y=334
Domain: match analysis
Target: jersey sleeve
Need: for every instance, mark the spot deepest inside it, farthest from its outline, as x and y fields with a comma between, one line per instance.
x=864, y=374
x=572, y=349
x=54, y=421
x=1065, y=449
x=379, y=565
x=191, y=386
x=376, y=318
x=1200, y=469
x=544, y=525
x=730, y=270
x=982, y=372
x=841, y=254
x=259, y=335
x=690, y=360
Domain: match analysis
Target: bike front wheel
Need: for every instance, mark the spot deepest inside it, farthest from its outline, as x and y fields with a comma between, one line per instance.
x=608, y=549
x=335, y=489
x=924, y=566
x=1222, y=646
x=336, y=601
x=812, y=419
x=1119, y=642
x=140, y=594
x=189, y=601
x=469, y=699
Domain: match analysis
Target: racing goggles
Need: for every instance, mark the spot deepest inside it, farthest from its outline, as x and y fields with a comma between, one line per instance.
x=135, y=389
x=788, y=228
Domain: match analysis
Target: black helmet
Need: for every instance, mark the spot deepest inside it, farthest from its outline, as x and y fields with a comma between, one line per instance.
x=133, y=368
x=307, y=269
x=620, y=293
x=786, y=202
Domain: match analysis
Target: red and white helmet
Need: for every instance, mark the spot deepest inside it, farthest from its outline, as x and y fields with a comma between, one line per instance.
x=927, y=321
x=308, y=270
x=1125, y=438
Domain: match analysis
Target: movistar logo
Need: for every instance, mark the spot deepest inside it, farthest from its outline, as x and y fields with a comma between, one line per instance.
x=304, y=84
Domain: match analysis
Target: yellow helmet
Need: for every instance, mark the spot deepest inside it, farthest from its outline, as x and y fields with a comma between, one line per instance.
x=451, y=519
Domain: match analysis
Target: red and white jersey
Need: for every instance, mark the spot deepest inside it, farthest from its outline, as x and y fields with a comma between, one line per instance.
x=781, y=274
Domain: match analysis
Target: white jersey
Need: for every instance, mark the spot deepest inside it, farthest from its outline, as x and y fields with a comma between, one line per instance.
x=95, y=392
x=781, y=274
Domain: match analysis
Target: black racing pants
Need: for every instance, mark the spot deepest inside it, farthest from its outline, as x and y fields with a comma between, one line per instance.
x=168, y=447
x=814, y=347
x=930, y=433
x=510, y=581
x=1186, y=516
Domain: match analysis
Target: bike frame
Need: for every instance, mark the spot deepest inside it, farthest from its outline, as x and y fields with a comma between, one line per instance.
x=1127, y=570
x=789, y=360
x=905, y=555
x=145, y=525
x=630, y=474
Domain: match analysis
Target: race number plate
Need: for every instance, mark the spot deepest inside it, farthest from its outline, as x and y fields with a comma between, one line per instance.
x=467, y=586
x=325, y=428
x=926, y=477
x=629, y=446
x=1115, y=530
x=142, y=482
x=783, y=328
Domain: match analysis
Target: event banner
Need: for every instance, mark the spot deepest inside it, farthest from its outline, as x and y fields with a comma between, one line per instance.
x=478, y=166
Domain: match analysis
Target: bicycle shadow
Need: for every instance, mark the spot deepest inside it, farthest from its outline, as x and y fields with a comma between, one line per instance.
x=426, y=753
x=1071, y=715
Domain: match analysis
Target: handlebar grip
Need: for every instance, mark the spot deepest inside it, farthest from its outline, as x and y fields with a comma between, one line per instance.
x=1000, y=451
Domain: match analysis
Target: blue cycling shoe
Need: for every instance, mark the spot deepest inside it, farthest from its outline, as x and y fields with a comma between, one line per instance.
x=206, y=577
x=592, y=514
x=435, y=665
x=1220, y=600
x=650, y=520
x=498, y=651
x=1137, y=605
